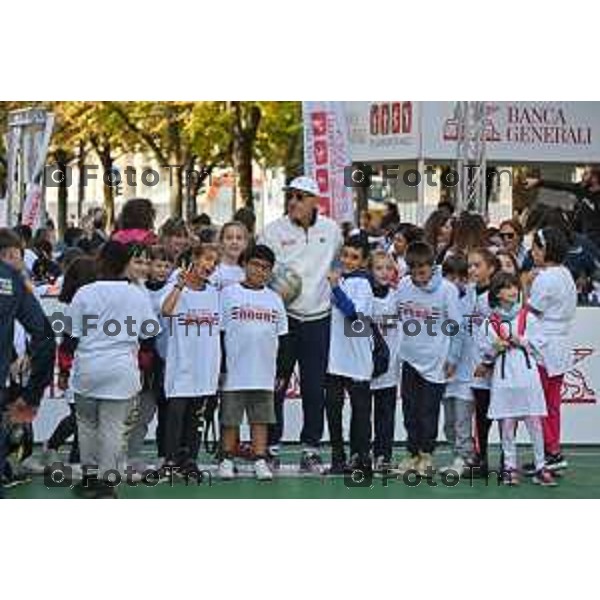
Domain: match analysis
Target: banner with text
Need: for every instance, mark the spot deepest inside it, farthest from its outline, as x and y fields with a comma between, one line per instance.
x=326, y=154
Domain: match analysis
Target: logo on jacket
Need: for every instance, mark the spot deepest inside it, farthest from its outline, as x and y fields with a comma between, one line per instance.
x=6, y=287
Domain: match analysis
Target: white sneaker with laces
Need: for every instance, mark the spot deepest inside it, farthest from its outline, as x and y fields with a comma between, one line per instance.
x=226, y=470
x=262, y=470
x=457, y=465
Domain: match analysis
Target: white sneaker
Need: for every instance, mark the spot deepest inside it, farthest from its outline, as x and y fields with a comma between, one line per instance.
x=226, y=470
x=262, y=470
x=458, y=466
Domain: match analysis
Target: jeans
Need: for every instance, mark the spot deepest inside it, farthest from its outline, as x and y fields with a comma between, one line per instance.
x=308, y=344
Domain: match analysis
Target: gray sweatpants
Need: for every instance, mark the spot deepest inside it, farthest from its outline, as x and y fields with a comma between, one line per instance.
x=102, y=429
x=140, y=419
x=458, y=426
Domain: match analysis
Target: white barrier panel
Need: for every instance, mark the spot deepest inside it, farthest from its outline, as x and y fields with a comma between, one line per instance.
x=581, y=389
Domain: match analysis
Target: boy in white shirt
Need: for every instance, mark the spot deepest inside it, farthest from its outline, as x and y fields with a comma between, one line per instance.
x=350, y=366
x=429, y=311
x=254, y=318
x=193, y=357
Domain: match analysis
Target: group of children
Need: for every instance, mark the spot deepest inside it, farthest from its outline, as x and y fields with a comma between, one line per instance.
x=460, y=333
x=469, y=338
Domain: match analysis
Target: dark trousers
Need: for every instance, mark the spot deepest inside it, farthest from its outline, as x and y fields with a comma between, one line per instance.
x=421, y=401
x=360, y=420
x=3, y=440
x=482, y=423
x=384, y=421
x=63, y=431
x=157, y=386
x=182, y=441
x=308, y=344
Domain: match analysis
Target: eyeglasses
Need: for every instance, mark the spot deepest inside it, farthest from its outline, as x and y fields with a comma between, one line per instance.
x=300, y=195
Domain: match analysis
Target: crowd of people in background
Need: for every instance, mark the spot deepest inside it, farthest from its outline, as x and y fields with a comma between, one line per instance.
x=512, y=290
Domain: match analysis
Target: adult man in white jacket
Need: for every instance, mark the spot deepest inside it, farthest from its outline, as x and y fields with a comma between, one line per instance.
x=306, y=242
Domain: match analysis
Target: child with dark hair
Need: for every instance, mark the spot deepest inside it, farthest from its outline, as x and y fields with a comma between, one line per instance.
x=350, y=366
x=108, y=319
x=458, y=401
x=254, y=319
x=193, y=358
x=483, y=265
x=404, y=235
x=510, y=345
x=79, y=273
x=428, y=307
x=553, y=299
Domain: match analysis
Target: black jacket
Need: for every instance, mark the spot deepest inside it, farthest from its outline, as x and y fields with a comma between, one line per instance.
x=17, y=303
x=586, y=213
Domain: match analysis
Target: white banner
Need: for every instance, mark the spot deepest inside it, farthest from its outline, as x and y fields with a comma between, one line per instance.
x=383, y=130
x=516, y=132
x=565, y=132
x=326, y=154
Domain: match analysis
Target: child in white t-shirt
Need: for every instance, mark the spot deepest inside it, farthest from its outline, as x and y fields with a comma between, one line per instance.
x=108, y=319
x=384, y=389
x=253, y=319
x=191, y=306
x=553, y=299
x=430, y=347
x=234, y=241
x=458, y=400
x=350, y=366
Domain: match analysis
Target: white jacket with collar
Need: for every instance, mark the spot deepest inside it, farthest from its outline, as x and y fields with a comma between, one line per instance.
x=310, y=253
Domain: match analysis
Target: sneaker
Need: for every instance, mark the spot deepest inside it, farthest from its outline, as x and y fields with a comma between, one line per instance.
x=262, y=470
x=408, y=463
x=273, y=457
x=556, y=462
x=14, y=480
x=528, y=469
x=382, y=464
x=425, y=466
x=458, y=466
x=339, y=466
x=226, y=470
x=311, y=463
x=545, y=478
x=510, y=478
x=167, y=472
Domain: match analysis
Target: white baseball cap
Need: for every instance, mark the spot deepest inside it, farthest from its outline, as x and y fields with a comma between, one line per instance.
x=303, y=184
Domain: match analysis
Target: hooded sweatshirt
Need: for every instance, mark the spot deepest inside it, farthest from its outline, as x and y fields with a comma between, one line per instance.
x=431, y=307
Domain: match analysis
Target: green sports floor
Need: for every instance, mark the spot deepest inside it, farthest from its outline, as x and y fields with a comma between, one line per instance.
x=581, y=480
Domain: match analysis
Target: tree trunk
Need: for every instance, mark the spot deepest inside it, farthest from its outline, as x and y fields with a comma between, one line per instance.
x=175, y=179
x=245, y=128
x=80, y=184
x=108, y=190
x=63, y=194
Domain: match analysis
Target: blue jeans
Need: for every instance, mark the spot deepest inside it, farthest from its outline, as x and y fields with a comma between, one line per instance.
x=307, y=343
